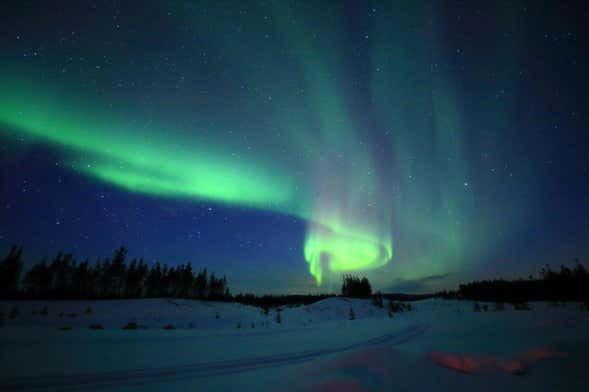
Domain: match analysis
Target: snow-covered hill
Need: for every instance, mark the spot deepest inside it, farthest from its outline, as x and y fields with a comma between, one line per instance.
x=181, y=313
x=441, y=345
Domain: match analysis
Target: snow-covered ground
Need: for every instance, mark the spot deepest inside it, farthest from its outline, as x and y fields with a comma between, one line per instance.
x=442, y=345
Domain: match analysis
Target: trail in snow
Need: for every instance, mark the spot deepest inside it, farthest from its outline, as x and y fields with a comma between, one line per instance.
x=146, y=376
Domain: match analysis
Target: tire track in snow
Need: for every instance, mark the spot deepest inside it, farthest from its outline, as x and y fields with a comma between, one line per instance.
x=148, y=376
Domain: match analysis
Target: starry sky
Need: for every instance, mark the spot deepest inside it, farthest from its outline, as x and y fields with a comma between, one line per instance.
x=285, y=143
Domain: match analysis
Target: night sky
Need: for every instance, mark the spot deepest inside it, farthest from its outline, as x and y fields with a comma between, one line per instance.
x=285, y=143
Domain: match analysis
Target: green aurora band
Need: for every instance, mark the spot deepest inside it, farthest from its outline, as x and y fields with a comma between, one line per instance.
x=319, y=165
x=338, y=239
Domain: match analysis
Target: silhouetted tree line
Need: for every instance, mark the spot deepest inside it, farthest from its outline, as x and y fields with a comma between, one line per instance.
x=447, y=294
x=568, y=284
x=10, y=270
x=66, y=278
x=356, y=287
x=410, y=297
x=271, y=301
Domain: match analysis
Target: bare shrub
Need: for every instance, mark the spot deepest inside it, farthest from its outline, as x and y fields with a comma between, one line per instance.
x=399, y=307
x=131, y=325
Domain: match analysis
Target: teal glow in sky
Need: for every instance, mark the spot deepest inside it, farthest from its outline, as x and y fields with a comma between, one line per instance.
x=393, y=133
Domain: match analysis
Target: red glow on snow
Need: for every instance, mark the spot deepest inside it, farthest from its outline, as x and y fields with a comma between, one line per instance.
x=462, y=363
x=512, y=366
x=478, y=363
x=373, y=360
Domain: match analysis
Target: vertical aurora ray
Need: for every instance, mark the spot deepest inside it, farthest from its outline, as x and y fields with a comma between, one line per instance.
x=349, y=222
x=419, y=101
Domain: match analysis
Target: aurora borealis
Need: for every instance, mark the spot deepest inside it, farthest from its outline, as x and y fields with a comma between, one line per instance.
x=291, y=142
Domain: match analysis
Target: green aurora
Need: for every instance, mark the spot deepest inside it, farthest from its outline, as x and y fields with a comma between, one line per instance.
x=338, y=238
x=307, y=153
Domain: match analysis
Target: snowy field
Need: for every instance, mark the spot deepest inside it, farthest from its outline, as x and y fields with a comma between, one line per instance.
x=182, y=345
